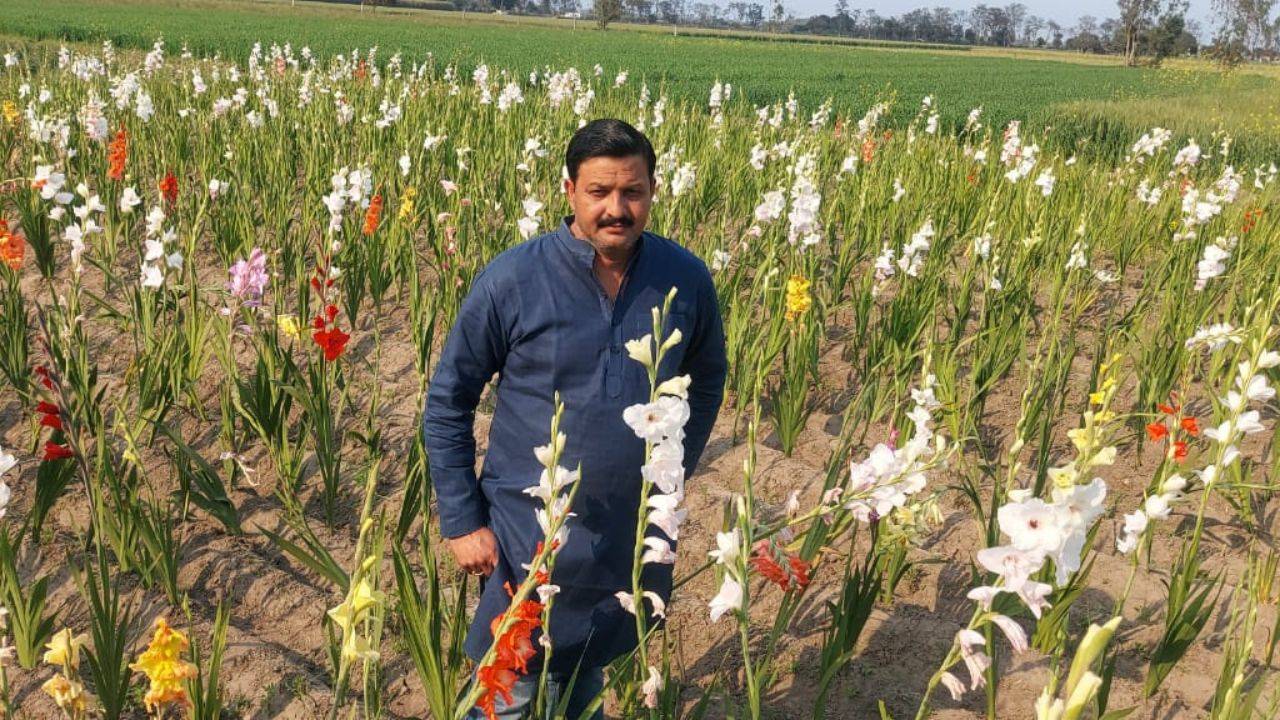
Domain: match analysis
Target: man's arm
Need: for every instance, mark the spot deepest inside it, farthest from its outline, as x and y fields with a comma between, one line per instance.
x=475, y=349
x=706, y=365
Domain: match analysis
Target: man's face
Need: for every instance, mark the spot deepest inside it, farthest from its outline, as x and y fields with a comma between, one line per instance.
x=611, y=198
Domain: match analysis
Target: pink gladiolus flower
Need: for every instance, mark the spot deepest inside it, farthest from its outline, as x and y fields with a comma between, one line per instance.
x=249, y=278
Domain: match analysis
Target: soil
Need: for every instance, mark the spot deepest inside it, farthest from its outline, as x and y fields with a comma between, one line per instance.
x=276, y=664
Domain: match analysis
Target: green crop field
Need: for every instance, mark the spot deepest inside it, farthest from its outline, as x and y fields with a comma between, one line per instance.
x=1053, y=89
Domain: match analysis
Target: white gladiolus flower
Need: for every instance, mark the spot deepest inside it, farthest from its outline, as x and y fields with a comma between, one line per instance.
x=1034, y=526
x=658, y=551
x=653, y=684
x=728, y=599
x=641, y=350
x=728, y=547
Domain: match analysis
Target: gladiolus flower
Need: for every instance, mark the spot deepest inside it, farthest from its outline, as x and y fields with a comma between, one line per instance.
x=168, y=186
x=53, y=451
x=249, y=278
x=12, y=247
x=64, y=649
x=1191, y=426
x=117, y=154
x=798, y=298
x=1157, y=430
x=373, y=215
x=512, y=651
x=795, y=570
x=332, y=341
x=67, y=694
x=164, y=667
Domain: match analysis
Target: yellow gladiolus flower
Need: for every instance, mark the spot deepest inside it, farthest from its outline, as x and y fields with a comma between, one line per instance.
x=10, y=112
x=67, y=694
x=798, y=298
x=163, y=665
x=408, y=202
x=64, y=650
x=288, y=325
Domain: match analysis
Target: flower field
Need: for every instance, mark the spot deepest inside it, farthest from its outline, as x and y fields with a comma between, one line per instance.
x=997, y=441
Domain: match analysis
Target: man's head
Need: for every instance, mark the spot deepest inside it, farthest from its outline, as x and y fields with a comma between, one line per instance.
x=610, y=183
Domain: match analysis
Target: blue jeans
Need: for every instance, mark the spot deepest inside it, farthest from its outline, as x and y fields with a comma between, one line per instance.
x=586, y=686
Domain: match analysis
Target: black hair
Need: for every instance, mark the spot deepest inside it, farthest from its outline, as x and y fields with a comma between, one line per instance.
x=607, y=137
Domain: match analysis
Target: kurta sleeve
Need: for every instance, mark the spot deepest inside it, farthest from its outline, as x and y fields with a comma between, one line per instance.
x=706, y=365
x=475, y=349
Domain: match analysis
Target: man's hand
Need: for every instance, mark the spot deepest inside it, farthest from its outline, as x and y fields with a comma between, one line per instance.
x=476, y=552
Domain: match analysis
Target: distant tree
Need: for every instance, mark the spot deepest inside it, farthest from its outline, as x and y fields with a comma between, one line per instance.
x=1031, y=28
x=607, y=11
x=1247, y=25
x=1136, y=18
x=1055, y=34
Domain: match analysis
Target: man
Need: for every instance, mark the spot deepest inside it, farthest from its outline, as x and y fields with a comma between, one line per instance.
x=553, y=314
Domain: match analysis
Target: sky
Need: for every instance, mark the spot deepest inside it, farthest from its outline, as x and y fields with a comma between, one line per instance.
x=1064, y=12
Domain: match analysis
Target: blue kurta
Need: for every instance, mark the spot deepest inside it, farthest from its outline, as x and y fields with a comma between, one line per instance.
x=538, y=317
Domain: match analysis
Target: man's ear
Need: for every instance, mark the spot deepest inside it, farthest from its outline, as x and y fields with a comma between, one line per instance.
x=568, y=186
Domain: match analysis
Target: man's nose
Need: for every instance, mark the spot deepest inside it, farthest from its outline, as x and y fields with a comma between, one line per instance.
x=614, y=206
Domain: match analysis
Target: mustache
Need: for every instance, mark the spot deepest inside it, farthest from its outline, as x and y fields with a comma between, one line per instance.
x=617, y=222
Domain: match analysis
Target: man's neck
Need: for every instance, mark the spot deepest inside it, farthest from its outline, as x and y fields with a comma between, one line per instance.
x=609, y=264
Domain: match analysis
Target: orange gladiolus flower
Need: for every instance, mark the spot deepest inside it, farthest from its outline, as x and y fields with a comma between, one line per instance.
x=1179, y=450
x=512, y=650
x=117, y=153
x=373, y=215
x=12, y=247
x=1157, y=430
x=169, y=188
x=1191, y=426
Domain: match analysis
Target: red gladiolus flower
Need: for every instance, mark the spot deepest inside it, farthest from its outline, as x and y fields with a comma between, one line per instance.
x=373, y=214
x=332, y=341
x=330, y=312
x=1179, y=450
x=169, y=188
x=54, y=451
x=47, y=407
x=796, y=570
x=1168, y=409
x=1157, y=430
x=43, y=372
x=51, y=421
x=117, y=154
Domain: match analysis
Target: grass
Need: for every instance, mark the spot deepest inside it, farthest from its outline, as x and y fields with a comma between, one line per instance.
x=1035, y=86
